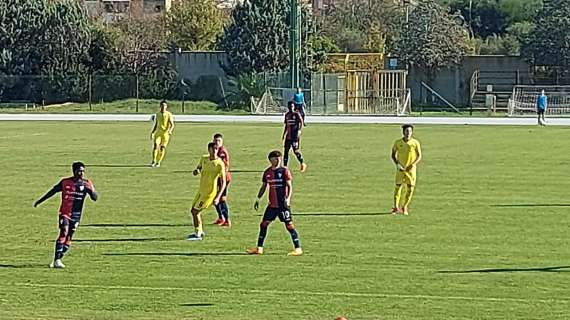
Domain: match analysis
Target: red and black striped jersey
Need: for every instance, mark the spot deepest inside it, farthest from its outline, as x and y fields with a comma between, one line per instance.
x=225, y=156
x=293, y=122
x=73, y=193
x=278, y=190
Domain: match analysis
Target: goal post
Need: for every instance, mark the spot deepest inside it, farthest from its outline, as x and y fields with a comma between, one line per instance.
x=523, y=100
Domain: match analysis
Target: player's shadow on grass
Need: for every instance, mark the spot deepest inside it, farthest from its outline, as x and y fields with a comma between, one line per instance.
x=23, y=266
x=531, y=205
x=177, y=254
x=129, y=239
x=336, y=214
x=111, y=165
x=232, y=171
x=134, y=225
x=197, y=305
x=544, y=269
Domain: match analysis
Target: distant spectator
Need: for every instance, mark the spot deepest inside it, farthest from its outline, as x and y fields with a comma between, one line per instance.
x=299, y=100
x=541, y=105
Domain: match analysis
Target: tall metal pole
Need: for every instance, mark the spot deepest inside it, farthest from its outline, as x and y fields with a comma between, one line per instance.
x=295, y=43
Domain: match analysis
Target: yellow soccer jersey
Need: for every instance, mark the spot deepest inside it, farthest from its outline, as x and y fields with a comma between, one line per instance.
x=406, y=151
x=211, y=170
x=162, y=120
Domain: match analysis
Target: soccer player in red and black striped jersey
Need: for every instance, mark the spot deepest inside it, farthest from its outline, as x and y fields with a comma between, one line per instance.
x=73, y=190
x=278, y=179
x=222, y=207
x=292, y=135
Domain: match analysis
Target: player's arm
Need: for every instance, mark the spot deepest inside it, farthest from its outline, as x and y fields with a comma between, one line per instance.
x=170, y=125
x=198, y=168
x=260, y=194
x=289, y=193
x=395, y=159
x=418, y=156
x=90, y=189
x=284, y=129
x=57, y=188
x=154, y=128
x=300, y=122
x=223, y=186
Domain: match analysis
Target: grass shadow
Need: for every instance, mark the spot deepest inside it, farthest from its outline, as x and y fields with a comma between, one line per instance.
x=129, y=239
x=337, y=214
x=177, y=254
x=196, y=304
x=24, y=266
x=531, y=205
x=133, y=225
x=495, y=270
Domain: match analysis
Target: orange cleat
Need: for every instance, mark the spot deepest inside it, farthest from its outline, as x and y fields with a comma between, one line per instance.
x=395, y=211
x=219, y=221
x=226, y=224
x=258, y=251
x=405, y=211
x=303, y=167
x=296, y=252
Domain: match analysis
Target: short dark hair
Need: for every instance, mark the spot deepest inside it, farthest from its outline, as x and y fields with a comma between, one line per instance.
x=290, y=104
x=76, y=165
x=163, y=102
x=406, y=126
x=218, y=135
x=274, y=153
x=211, y=145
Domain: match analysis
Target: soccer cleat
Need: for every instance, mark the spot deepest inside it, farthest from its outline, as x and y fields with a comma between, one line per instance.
x=195, y=237
x=405, y=211
x=226, y=224
x=57, y=264
x=152, y=164
x=258, y=251
x=219, y=221
x=303, y=167
x=395, y=210
x=296, y=252
x=157, y=165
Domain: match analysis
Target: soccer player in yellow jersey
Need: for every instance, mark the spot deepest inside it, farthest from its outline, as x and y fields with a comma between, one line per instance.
x=211, y=168
x=406, y=153
x=161, y=132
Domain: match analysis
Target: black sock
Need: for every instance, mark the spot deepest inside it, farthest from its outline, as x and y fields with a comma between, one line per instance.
x=58, y=250
x=262, y=233
x=294, y=237
x=219, y=211
x=225, y=211
x=299, y=157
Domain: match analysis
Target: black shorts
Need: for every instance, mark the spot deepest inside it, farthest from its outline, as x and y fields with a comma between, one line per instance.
x=72, y=223
x=301, y=109
x=225, y=191
x=540, y=111
x=290, y=143
x=283, y=214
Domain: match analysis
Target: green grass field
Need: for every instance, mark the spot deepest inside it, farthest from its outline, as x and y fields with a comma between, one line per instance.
x=487, y=237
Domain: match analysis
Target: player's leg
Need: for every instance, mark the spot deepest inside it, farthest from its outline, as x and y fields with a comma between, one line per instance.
x=268, y=216
x=398, y=191
x=60, y=243
x=539, y=118
x=73, y=224
x=218, y=207
x=162, y=148
x=543, y=118
x=410, y=181
x=198, y=206
x=224, y=207
x=155, y=149
x=285, y=217
x=286, y=148
x=297, y=151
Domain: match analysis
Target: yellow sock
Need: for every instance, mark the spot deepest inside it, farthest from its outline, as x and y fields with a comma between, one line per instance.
x=408, y=196
x=197, y=224
x=397, y=195
x=155, y=154
x=161, y=153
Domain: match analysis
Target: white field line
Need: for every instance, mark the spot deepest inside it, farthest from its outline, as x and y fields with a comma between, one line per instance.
x=23, y=135
x=297, y=292
x=279, y=119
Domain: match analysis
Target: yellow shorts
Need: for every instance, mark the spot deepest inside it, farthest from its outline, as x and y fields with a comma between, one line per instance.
x=406, y=177
x=162, y=139
x=202, y=202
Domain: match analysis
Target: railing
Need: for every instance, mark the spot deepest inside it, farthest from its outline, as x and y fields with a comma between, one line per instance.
x=474, y=84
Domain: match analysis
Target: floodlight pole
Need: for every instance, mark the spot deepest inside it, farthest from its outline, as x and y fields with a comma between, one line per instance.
x=295, y=43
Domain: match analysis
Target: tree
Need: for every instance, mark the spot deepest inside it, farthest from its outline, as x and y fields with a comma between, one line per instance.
x=548, y=44
x=194, y=24
x=360, y=25
x=435, y=39
x=257, y=38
